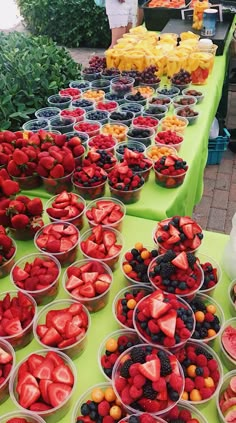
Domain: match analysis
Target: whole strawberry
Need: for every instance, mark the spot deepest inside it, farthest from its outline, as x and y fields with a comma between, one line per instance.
x=7, y=186
x=7, y=251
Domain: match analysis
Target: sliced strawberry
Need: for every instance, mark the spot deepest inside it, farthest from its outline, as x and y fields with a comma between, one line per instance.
x=157, y=294
x=44, y=370
x=104, y=277
x=43, y=386
x=101, y=287
x=5, y=357
x=29, y=395
x=87, y=290
x=66, y=244
x=181, y=261
x=173, y=239
x=60, y=319
x=158, y=308
x=70, y=230
x=169, y=161
x=99, y=215
x=51, y=337
x=34, y=361
x=97, y=232
x=64, y=196
x=109, y=239
x=67, y=342
x=114, y=250
x=56, y=213
x=63, y=374
x=196, y=243
x=38, y=407
x=75, y=309
x=115, y=216
x=73, y=282
x=167, y=323
x=89, y=276
x=58, y=393
x=19, y=274
x=89, y=247
x=57, y=228
x=57, y=360
x=185, y=220
x=25, y=379
x=188, y=231
x=151, y=369
x=72, y=330
x=173, y=230
x=13, y=326
x=90, y=171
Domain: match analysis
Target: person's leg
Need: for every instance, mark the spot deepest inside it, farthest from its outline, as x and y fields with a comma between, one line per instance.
x=117, y=33
x=140, y=16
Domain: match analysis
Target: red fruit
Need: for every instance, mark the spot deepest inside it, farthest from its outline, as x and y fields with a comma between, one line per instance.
x=167, y=323
x=20, y=221
x=5, y=357
x=56, y=213
x=158, y=308
x=58, y=393
x=60, y=319
x=47, y=162
x=9, y=187
x=87, y=290
x=101, y=287
x=20, y=157
x=57, y=171
x=109, y=239
x=68, y=163
x=13, y=326
x=181, y=261
x=57, y=360
x=51, y=337
x=151, y=369
x=43, y=386
x=44, y=370
x=29, y=394
x=63, y=374
x=34, y=361
x=35, y=207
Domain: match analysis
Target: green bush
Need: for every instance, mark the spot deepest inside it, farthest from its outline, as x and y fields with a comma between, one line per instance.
x=71, y=23
x=31, y=69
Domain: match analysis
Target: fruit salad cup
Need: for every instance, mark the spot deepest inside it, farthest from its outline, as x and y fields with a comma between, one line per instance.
x=21, y=417
x=57, y=185
x=136, y=146
x=168, y=273
x=60, y=239
x=134, y=263
x=18, y=331
x=89, y=181
x=164, y=320
x=88, y=282
x=72, y=211
x=212, y=273
x=227, y=343
x=200, y=65
x=116, y=130
x=183, y=409
x=106, y=211
x=125, y=302
x=155, y=152
x=102, y=243
x=112, y=346
x=226, y=397
x=63, y=325
x=170, y=171
x=26, y=386
x=93, y=400
x=7, y=364
x=37, y=275
x=6, y=267
x=157, y=367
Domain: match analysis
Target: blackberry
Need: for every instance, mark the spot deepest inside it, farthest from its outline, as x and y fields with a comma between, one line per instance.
x=191, y=259
x=203, y=333
x=124, y=371
x=169, y=256
x=198, y=305
x=201, y=350
x=167, y=269
x=148, y=391
x=165, y=364
x=138, y=355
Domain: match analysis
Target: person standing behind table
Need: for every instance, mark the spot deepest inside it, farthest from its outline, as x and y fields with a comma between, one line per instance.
x=140, y=12
x=122, y=15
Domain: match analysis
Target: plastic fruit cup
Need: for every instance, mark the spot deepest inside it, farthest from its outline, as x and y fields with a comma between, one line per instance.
x=110, y=261
x=101, y=84
x=232, y=297
x=82, y=84
x=172, y=91
x=145, y=140
x=62, y=123
x=81, y=103
x=178, y=101
x=21, y=339
x=220, y=369
x=115, y=97
x=228, y=360
x=127, y=197
x=175, y=146
x=130, y=280
x=198, y=97
x=131, y=145
x=76, y=112
x=27, y=182
x=191, y=119
x=78, y=127
x=87, y=396
x=55, y=413
x=72, y=350
x=108, y=105
x=200, y=66
x=130, y=418
x=136, y=108
x=117, y=224
x=56, y=186
x=146, y=90
x=101, y=116
x=113, y=73
x=154, y=152
x=219, y=313
x=82, y=135
x=125, y=121
x=117, y=130
x=25, y=415
x=35, y=124
x=154, y=127
x=221, y=398
x=122, y=85
x=203, y=258
x=60, y=101
x=21, y=234
x=142, y=290
x=146, y=339
x=78, y=221
x=146, y=172
x=90, y=76
x=5, y=268
x=94, y=94
x=160, y=100
x=191, y=294
x=169, y=181
x=47, y=112
x=195, y=413
x=67, y=257
x=44, y=295
x=90, y=193
x=4, y=386
x=130, y=98
x=157, y=111
x=93, y=142
x=131, y=336
x=95, y=303
x=167, y=405
x=167, y=124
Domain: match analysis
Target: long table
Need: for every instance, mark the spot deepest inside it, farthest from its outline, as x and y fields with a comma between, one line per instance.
x=103, y=323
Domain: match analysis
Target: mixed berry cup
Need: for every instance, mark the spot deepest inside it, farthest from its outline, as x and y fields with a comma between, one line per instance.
x=75, y=213
x=69, y=239
x=7, y=364
x=212, y=273
x=18, y=331
x=106, y=211
x=22, y=416
x=92, y=289
x=131, y=145
x=45, y=285
x=89, y=189
x=134, y=263
x=125, y=302
x=28, y=182
x=232, y=297
x=112, y=346
x=127, y=197
x=60, y=101
x=5, y=268
x=154, y=365
x=61, y=397
x=52, y=330
x=142, y=418
x=225, y=401
x=47, y=112
x=111, y=255
x=183, y=409
x=227, y=343
x=57, y=185
x=35, y=125
x=169, y=181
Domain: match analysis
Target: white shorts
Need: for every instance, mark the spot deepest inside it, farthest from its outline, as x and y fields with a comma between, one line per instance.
x=120, y=14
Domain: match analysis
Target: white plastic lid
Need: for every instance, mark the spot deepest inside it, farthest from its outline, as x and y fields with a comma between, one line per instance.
x=206, y=42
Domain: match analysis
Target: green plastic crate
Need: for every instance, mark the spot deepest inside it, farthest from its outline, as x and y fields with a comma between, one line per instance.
x=216, y=147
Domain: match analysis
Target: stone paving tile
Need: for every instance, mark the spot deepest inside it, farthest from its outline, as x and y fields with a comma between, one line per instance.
x=217, y=220
x=220, y=199
x=211, y=172
x=209, y=185
x=232, y=192
x=226, y=165
x=222, y=181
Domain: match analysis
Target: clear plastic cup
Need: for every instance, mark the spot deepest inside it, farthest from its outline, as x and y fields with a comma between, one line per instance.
x=136, y=123
x=176, y=147
x=195, y=413
x=101, y=116
x=228, y=359
x=94, y=94
x=137, y=292
x=90, y=128
x=124, y=261
x=74, y=349
x=160, y=100
x=101, y=84
x=117, y=130
x=136, y=108
x=132, y=339
x=110, y=73
x=47, y=112
x=103, y=142
x=108, y=105
x=60, y=101
x=116, y=97
x=138, y=417
x=65, y=257
x=90, y=193
x=121, y=117
x=167, y=124
x=77, y=220
x=99, y=301
x=54, y=413
x=203, y=258
x=225, y=393
x=191, y=119
x=131, y=98
x=110, y=260
x=78, y=113
x=154, y=152
x=99, y=204
x=84, y=104
x=232, y=297
x=28, y=416
x=164, y=405
x=90, y=75
x=127, y=197
x=4, y=385
x=135, y=134
x=82, y=84
x=168, y=91
x=131, y=145
x=157, y=111
x=146, y=90
x=62, y=123
x=28, y=182
x=82, y=135
x=24, y=337
x=169, y=181
x=57, y=185
x=6, y=267
x=74, y=92
x=48, y=292
x=35, y=125
x=184, y=100
x=194, y=93
x=122, y=85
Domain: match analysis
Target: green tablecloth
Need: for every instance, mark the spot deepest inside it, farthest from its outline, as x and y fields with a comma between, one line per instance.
x=134, y=230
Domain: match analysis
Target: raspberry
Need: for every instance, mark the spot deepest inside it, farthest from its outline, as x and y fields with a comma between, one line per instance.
x=147, y=418
x=125, y=395
x=185, y=415
x=192, y=357
x=209, y=317
x=173, y=413
x=185, y=333
x=134, y=370
x=199, y=382
x=206, y=393
x=150, y=406
x=120, y=384
x=153, y=327
x=159, y=385
x=105, y=362
x=113, y=357
x=135, y=392
x=189, y=385
x=108, y=419
x=201, y=360
x=123, y=340
x=139, y=381
x=103, y=408
x=215, y=376
x=179, y=323
x=212, y=365
x=206, y=371
x=176, y=382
